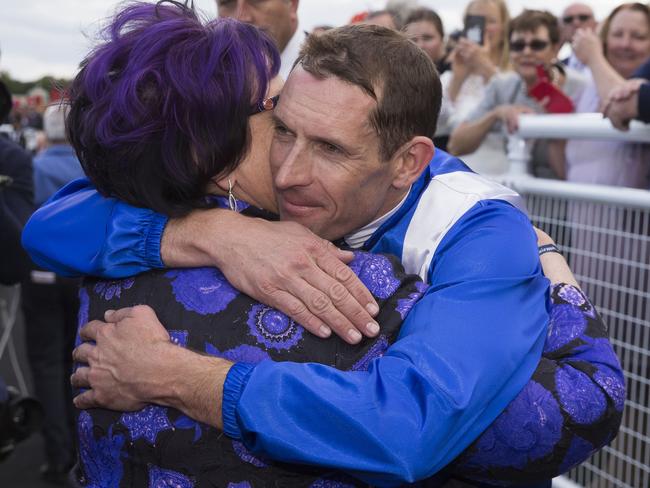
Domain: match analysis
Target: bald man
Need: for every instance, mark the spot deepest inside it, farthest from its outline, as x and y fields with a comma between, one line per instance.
x=278, y=18
x=576, y=16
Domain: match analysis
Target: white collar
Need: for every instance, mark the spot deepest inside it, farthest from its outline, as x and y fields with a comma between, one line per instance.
x=290, y=53
x=359, y=237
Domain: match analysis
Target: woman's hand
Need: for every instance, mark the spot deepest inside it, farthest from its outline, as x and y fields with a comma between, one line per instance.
x=476, y=57
x=587, y=46
x=509, y=115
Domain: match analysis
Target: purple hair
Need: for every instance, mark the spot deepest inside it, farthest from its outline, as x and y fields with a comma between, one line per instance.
x=161, y=106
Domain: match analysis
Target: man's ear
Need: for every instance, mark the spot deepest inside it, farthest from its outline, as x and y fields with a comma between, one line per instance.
x=412, y=160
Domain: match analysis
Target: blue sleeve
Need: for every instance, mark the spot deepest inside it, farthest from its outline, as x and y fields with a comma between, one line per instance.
x=80, y=232
x=464, y=352
x=643, y=71
x=644, y=103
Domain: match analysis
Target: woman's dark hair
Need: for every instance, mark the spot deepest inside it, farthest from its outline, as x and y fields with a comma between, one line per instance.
x=161, y=106
x=426, y=15
x=531, y=20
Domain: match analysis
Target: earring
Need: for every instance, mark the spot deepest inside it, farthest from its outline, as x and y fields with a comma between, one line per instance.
x=232, y=201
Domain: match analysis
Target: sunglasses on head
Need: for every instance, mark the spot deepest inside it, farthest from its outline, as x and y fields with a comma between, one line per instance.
x=264, y=105
x=534, y=45
x=581, y=17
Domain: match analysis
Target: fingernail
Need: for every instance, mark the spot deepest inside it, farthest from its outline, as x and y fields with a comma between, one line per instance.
x=108, y=313
x=354, y=335
x=372, y=328
x=372, y=309
x=325, y=331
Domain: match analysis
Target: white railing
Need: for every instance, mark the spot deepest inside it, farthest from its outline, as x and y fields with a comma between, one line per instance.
x=605, y=234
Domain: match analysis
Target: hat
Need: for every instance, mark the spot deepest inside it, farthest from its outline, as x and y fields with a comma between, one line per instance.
x=54, y=121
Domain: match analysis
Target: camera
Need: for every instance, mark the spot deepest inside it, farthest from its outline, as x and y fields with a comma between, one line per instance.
x=20, y=416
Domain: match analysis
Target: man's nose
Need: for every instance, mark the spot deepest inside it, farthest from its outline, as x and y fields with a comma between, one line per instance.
x=295, y=170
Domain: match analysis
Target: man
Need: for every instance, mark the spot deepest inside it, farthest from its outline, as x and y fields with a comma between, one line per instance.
x=576, y=16
x=333, y=171
x=279, y=18
x=50, y=307
x=16, y=200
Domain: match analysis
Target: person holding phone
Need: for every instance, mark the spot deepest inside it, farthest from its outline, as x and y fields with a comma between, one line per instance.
x=537, y=85
x=480, y=53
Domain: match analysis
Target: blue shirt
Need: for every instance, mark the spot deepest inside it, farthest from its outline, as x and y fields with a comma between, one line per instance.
x=55, y=167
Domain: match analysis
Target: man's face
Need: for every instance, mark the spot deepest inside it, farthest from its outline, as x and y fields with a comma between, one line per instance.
x=575, y=16
x=325, y=161
x=278, y=18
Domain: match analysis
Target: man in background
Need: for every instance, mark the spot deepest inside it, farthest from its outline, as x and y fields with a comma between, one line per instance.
x=50, y=306
x=576, y=16
x=278, y=18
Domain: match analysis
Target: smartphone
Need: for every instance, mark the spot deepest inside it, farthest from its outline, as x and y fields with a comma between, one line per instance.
x=475, y=28
x=558, y=102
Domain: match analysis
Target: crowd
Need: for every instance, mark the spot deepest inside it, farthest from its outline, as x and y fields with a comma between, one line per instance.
x=174, y=161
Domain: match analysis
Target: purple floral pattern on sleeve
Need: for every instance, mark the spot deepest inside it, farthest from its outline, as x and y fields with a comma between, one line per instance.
x=567, y=323
x=612, y=382
x=243, y=353
x=202, y=290
x=241, y=484
x=110, y=289
x=246, y=456
x=377, y=350
x=581, y=398
x=376, y=272
x=576, y=452
x=404, y=305
x=84, y=307
x=272, y=328
x=179, y=337
x=100, y=458
x=527, y=430
x=166, y=478
x=146, y=423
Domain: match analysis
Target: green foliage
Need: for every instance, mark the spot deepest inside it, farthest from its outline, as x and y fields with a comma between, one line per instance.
x=22, y=87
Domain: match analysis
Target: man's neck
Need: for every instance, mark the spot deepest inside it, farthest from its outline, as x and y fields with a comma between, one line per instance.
x=356, y=239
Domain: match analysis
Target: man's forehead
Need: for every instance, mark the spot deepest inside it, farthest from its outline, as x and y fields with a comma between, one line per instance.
x=579, y=8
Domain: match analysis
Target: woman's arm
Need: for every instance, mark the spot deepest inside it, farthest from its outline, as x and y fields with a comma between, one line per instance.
x=589, y=50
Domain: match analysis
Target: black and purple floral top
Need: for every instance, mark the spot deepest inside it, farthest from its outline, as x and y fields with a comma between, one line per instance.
x=571, y=406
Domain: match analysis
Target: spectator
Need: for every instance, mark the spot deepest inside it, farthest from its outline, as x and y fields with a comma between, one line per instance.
x=624, y=45
x=16, y=201
x=50, y=306
x=576, y=16
x=424, y=27
x=630, y=100
x=534, y=41
x=472, y=68
x=385, y=18
x=278, y=18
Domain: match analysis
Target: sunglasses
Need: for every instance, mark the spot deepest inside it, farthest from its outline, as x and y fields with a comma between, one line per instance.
x=581, y=17
x=265, y=105
x=534, y=45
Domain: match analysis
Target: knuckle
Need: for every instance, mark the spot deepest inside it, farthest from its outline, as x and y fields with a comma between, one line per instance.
x=319, y=302
x=267, y=287
x=338, y=292
x=296, y=309
x=344, y=274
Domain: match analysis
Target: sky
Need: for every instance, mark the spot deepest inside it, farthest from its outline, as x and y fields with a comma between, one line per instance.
x=46, y=37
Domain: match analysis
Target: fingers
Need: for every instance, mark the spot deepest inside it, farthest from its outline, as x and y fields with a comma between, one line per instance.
x=86, y=400
x=118, y=315
x=300, y=313
x=79, y=379
x=84, y=353
x=89, y=331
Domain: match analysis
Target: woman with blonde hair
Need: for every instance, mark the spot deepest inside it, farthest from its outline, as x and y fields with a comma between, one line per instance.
x=472, y=67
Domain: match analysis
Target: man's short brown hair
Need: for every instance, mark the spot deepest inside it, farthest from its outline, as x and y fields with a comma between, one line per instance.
x=531, y=20
x=389, y=68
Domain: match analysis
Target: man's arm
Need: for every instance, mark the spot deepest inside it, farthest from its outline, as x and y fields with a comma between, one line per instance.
x=78, y=231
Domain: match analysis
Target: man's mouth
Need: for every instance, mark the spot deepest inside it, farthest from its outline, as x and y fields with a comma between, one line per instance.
x=296, y=207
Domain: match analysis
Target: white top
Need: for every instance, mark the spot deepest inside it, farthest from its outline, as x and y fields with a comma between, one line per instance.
x=601, y=162
x=291, y=51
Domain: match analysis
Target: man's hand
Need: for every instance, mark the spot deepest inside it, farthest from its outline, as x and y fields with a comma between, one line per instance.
x=127, y=367
x=622, y=103
x=134, y=363
x=281, y=264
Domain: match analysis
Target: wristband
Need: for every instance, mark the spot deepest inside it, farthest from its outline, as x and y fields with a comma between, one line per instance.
x=548, y=248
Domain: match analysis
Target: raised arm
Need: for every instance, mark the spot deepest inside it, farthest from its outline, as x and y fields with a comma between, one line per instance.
x=78, y=231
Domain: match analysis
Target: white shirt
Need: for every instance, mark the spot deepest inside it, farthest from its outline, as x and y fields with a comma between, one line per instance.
x=291, y=51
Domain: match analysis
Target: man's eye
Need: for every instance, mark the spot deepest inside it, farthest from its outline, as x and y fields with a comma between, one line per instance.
x=331, y=148
x=281, y=130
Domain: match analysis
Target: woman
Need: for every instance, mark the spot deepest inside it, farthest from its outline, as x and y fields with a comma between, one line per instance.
x=472, y=68
x=424, y=27
x=534, y=41
x=141, y=37
x=623, y=46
